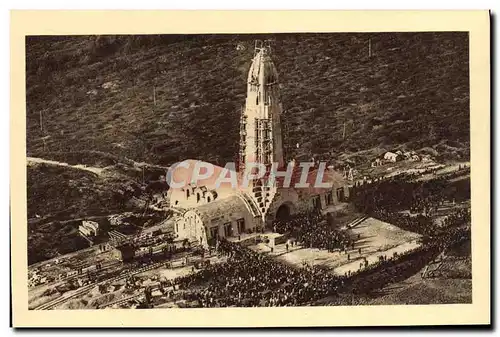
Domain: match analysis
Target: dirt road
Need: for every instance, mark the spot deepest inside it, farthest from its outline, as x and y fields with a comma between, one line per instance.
x=34, y=160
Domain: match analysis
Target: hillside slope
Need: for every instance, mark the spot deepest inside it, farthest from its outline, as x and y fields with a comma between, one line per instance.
x=65, y=192
x=96, y=93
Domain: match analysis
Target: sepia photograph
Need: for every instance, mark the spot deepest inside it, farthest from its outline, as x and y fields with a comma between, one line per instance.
x=248, y=170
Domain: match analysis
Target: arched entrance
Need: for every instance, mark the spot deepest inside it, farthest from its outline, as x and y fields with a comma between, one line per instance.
x=283, y=213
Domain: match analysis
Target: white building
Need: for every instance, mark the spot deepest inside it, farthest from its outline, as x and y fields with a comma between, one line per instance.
x=207, y=211
x=89, y=228
x=392, y=157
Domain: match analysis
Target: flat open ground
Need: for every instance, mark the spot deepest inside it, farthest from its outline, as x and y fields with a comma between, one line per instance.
x=376, y=238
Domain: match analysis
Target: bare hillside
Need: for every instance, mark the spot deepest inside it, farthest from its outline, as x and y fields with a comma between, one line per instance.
x=97, y=93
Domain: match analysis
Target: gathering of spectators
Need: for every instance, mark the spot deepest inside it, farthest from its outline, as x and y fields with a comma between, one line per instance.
x=418, y=224
x=312, y=230
x=386, y=199
x=461, y=216
x=391, y=269
x=251, y=279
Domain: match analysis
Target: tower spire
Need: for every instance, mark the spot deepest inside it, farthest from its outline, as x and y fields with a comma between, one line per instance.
x=261, y=130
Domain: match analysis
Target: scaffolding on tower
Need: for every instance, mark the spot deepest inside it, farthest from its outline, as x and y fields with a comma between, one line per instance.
x=263, y=45
x=284, y=136
x=242, y=146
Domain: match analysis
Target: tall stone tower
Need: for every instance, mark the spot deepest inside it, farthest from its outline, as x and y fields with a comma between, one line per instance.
x=261, y=134
x=260, y=127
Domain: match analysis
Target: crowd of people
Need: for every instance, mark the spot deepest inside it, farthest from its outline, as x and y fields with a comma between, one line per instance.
x=401, y=193
x=387, y=199
x=460, y=217
x=392, y=269
x=250, y=279
x=424, y=224
x=450, y=236
x=421, y=224
x=312, y=230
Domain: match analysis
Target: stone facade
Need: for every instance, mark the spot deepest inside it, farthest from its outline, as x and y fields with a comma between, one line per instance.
x=261, y=137
x=223, y=218
x=208, y=212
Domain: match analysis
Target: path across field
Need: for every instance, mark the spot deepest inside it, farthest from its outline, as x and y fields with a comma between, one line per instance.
x=35, y=160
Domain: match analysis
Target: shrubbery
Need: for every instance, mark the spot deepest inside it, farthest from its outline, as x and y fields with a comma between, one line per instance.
x=411, y=81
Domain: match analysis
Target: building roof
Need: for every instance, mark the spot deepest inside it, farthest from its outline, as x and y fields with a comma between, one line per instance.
x=225, y=189
x=217, y=208
x=92, y=224
x=329, y=176
x=185, y=172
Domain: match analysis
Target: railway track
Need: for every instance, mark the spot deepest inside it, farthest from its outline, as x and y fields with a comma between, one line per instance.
x=80, y=291
x=130, y=298
x=116, y=238
x=86, y=269
x=63, y=298
x=122, y=301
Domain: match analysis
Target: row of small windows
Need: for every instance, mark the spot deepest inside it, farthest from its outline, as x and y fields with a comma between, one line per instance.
x=340, y=194
x=228, y=229
x=268, y=99
x=198, y=196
